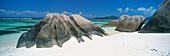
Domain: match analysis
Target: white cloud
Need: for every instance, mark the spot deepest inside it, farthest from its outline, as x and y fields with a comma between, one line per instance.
x=141, y=9
x=88, y=15
x=30, y=13
x=10, y=12
x=2, y=10
x=133, y=10
x=120, y=10
x=126, y=10
x=65, y=12
x=148, y=11
x=23, y=12
x=80, y=12
x=7, y=12
x=69, y=13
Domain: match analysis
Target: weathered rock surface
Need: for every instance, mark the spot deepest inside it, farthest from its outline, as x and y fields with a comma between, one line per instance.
x=130, y=23
x=160, y=21
x=112, y=23
x=55, y=29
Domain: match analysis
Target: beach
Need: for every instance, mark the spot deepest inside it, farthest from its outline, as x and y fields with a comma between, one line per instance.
x=116, y=44
x=85, y=28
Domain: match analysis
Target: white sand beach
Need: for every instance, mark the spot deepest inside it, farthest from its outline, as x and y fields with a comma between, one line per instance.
x=116, y=44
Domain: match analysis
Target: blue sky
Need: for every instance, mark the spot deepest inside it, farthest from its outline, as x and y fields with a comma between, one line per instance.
x=86, y=8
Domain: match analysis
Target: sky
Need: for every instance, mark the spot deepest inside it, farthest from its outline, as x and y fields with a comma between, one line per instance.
x=86, y=8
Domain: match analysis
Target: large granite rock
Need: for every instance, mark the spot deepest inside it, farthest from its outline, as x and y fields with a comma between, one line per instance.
x=111, y=24
x=130, y=23
x=55, y=29
x=160, y=21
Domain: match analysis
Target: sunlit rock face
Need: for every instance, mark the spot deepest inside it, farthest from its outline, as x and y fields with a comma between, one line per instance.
x=160, y=21
x=111, y=24
x=130, y=23
x=55, y=29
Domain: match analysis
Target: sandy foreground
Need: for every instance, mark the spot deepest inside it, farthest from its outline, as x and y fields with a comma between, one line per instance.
x=116, y=44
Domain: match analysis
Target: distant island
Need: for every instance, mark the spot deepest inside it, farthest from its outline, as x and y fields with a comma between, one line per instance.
x=107, y=17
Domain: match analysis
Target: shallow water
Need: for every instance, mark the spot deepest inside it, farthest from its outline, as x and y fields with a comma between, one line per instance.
x=11, y=29
x=9, y=26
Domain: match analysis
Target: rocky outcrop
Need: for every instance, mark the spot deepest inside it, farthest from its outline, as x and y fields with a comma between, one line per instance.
x=130, y=23
x=160, y=21
x=112, y=23
x=55, y=29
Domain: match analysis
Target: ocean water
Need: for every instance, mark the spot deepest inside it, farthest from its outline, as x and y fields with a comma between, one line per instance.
x=8, y=26
x=11, y=29
x=11, y=26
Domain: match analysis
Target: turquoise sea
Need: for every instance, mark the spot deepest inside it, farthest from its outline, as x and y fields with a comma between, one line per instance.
x=9, y=26
x=12, y=28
